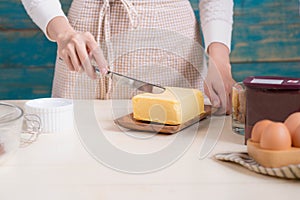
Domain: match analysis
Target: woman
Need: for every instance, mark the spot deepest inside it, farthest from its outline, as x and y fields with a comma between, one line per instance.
x=94, y=23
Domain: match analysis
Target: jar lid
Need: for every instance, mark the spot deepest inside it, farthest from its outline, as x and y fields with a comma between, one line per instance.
x=272, y=82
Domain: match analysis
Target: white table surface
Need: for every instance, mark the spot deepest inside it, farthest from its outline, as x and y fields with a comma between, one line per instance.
x=57, y=166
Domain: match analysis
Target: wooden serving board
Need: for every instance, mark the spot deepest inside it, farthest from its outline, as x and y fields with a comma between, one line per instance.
x=129, y=122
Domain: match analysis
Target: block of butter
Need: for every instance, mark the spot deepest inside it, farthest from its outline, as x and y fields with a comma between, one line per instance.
x=174, y=106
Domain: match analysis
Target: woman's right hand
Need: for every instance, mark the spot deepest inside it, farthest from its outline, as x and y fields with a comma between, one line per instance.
x=76, y=48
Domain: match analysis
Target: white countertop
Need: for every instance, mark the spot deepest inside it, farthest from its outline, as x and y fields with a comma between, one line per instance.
x=57, y=166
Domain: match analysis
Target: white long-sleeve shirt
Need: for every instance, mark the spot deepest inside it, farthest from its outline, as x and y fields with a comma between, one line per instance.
x=43, y=11
x=216, y=17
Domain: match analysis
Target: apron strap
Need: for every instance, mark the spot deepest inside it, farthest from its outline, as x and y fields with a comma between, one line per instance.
x=104, y=19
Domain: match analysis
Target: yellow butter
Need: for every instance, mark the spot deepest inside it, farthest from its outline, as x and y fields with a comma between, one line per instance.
x=174, y=106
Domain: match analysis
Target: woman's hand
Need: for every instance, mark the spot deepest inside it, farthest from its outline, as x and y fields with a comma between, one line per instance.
x=76, y=48
x=219, y=79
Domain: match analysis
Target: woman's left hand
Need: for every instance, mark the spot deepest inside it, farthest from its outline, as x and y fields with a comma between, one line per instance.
x=219, y=81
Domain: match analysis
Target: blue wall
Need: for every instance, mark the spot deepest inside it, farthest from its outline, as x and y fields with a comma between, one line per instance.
x=266, y=41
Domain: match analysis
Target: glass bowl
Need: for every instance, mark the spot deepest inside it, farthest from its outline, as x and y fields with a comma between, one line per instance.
x=11, y=118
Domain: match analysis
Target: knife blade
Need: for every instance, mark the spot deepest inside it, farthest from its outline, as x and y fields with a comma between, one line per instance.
x=132, y=82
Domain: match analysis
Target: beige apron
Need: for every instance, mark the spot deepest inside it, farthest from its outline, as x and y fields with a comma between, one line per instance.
x=119, y=24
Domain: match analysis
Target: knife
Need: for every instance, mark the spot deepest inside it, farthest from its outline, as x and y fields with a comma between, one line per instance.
x=132, y=82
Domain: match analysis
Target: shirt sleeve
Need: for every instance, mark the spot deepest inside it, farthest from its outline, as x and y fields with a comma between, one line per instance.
x=216, y=17
x=43, y=11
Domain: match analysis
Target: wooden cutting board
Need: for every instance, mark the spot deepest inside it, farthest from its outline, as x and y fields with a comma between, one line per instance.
x=129, y=122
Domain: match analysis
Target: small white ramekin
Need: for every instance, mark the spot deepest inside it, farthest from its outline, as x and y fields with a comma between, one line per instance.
x=56, y=113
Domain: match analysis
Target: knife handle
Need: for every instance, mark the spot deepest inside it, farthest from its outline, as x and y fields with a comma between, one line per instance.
x=108, y=74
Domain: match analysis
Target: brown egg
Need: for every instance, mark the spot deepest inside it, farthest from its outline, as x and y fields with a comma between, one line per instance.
x=276, y=136
x=258, y=129
x=296, y=137
x=292, y=122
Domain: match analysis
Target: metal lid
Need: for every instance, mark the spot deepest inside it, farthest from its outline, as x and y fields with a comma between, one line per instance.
x=272, y=82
